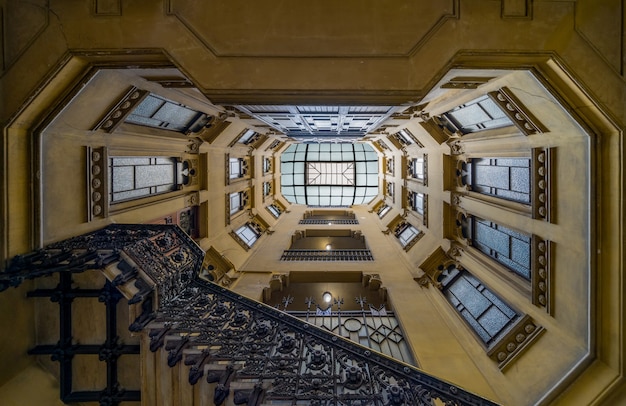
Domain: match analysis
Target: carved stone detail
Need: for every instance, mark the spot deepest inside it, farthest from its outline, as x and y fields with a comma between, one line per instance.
x=513, y=344
x=121, y=110
x=521, y=117
x=466, y=82
x=542, y=273
x=192, y=199
x=542, y=162
x=97, y=188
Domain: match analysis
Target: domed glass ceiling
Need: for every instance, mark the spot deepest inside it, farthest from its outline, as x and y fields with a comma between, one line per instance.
x=328, y=174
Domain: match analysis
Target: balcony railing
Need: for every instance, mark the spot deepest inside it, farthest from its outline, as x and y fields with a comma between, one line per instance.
x=327, y=255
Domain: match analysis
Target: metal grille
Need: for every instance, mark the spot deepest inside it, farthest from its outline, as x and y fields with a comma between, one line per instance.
x=334, y=222
x=327, y=255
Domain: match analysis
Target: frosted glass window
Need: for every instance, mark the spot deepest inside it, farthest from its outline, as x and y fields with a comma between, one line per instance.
x=384, y=209
x=407, y=234
x=235, y=168
x=235, y=203
x=136, y=177
x=248, y=234
x=159, y=112
x=417, y=202
x=506, y=178
x=484, y=312
x=417, y=168
x=246, y=137
x=275, y=210
x=477, y=115
x=508, y=247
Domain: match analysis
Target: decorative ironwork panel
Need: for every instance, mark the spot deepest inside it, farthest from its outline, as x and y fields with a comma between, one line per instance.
x=272, y=356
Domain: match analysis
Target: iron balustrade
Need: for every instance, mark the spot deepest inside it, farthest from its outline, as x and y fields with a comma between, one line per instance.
x=265, y=354
x=327, y=255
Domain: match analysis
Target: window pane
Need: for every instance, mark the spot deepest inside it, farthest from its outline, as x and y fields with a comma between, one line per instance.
x=508, y=247
x=156, y=111
x=477, y=115
x=136, y=177
x=485, y=313
x=505, y=178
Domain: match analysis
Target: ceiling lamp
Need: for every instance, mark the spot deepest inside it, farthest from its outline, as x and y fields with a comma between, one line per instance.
x=327, y=297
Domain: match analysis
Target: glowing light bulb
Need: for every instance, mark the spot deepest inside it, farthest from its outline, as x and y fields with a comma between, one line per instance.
x=327, y=297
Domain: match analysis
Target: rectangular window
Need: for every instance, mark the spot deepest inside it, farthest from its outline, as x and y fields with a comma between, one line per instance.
x=247, y=137
x=406, y=234
x=267, y=165
x=236, y=202
x=159, y=112
x=267, y=188
x=390, y=189
x=384, y=209
x=508, y=247
x=235, y=168
x=248, y=234
x=416, y=168
x=389, y=166
x=417, y=202
x=134, y=177
x=488, y=316
x=477, y=115
x=275, y=210
x=506, y=178
x=404, y=137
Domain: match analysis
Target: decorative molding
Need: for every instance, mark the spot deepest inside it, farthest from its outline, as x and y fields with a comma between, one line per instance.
x=512, y=345
x=97, y=183
x=456, y=147
x=449, y=11
x=215, y=266
x=433, y=266
x=171, y=82
x=517, y=10
x=436, y=129
x=541, y=277
x=192, y=199
x=107, y=8
x=193, y=146
x=543, y=161
x=466, y=82
x=515, y=110
x=214, y=127
x=121, y=110
x=408, y=113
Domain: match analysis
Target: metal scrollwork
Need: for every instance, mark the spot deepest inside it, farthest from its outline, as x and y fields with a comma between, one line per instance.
x=271, y=355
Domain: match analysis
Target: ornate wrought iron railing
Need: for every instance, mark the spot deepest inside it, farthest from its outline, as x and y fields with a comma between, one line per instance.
x=273, y=357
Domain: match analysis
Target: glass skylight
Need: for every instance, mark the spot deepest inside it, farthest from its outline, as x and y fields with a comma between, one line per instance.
x=329, y=174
